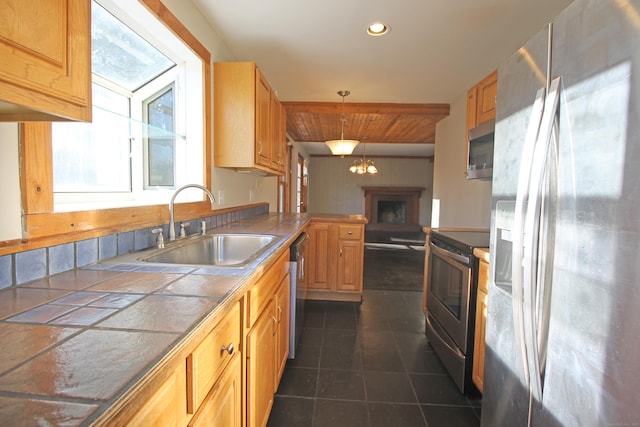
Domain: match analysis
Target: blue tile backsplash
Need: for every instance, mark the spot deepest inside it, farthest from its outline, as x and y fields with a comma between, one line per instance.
x=6, y=271
x=107, y=246
x=86, y=252
x=23, y=267
x=61, y=258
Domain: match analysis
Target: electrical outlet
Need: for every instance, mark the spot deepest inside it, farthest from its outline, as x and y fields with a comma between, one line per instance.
x=220, y=197
x=251, y=195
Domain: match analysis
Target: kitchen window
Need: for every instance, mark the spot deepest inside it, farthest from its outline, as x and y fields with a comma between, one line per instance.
x=145, y=140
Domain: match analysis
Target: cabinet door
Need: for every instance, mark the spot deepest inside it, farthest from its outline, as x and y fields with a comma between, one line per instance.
x=486, y=102
x=350, y=266
x=479, y=344
x=283, y=301
x=263, y=120
x=261, y=366
x=322, y=266
x=167, y=406
x=282, y=140
x=472, y=108
x=223, y=406
x=211, y=356
x=275, y=132
x=45, y=72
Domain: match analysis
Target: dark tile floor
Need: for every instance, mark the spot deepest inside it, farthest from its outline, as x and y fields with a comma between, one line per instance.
x=369, y=365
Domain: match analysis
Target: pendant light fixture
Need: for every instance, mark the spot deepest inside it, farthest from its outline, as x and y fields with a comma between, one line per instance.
x=342, y=147
x=362, y=166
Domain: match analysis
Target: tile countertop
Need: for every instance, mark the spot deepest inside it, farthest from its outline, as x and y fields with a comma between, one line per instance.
x=76, y=344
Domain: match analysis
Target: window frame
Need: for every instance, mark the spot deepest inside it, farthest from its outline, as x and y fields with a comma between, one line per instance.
x=186, y=67
x=43, y=226
x=146, y=151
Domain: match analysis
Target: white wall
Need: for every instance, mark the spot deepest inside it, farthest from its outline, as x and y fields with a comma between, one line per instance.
x=333, y=189
x=236, y=186
x=457, y=201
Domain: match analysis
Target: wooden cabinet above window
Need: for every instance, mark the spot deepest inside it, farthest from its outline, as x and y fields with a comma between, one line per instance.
x=45, y=72
x=248, y=124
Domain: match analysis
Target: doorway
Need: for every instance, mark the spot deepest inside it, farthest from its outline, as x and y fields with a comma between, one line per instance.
x=302, y=178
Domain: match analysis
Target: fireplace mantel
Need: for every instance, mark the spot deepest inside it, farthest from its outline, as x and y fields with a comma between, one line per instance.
x=407, y=197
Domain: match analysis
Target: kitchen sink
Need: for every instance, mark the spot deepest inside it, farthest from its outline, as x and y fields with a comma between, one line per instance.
x=230, y=250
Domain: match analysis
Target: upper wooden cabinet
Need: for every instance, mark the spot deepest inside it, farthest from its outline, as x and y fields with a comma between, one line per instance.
x=45, y=72
x=486, y=101
x=248, y=123
x=481, y=106
x=481, y=101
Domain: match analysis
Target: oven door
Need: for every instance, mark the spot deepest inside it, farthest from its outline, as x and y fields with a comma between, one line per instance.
x=449, y=293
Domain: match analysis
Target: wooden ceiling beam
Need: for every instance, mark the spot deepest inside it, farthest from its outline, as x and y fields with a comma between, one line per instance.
x=365, y=108
x=375, y=123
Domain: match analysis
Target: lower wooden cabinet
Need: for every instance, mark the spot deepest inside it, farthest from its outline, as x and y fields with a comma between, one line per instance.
x=166, y=406
x=335, y=261
x=211, y=356
x=267, y=342
x=229, y=376
x=261, y=367
x=282, y=304
x=481, y=323
x=223, y=406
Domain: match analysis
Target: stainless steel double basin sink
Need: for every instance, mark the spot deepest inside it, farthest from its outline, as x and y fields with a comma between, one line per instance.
x=217, y=250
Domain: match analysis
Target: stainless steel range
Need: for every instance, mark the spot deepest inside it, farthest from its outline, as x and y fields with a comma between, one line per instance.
x=451, y=300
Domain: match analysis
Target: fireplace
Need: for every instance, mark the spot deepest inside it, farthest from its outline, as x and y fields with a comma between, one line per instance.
x=392, y=211
x=392, y=208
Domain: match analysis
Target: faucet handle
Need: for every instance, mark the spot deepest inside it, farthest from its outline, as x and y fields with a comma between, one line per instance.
x=160, y=239
x=183, y=232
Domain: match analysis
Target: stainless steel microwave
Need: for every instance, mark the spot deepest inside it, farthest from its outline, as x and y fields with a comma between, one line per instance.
x=480, y=149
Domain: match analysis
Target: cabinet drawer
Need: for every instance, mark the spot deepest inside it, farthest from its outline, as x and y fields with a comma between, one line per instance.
x=208, y=360
x=260, y=294
x=353, y=232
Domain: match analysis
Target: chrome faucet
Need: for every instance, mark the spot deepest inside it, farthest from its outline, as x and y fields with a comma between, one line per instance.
x=172, y=226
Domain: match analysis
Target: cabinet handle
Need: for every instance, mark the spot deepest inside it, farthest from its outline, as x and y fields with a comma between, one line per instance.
x=349, y=232
x=260, y=147
x=279, y=309
x=275, y=325
x=340, y=251
x=228, y=349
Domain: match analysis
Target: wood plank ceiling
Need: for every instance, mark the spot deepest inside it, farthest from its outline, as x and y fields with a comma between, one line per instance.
x=373, y=123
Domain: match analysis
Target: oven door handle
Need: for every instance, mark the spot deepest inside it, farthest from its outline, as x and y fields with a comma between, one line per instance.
x=446, y=341
x=444, y=253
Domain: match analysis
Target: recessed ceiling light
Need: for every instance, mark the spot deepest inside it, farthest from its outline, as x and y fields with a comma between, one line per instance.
x=378, y=29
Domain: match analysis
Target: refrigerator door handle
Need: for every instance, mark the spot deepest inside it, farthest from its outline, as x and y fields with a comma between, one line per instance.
x=522, y=195
x=535, y=339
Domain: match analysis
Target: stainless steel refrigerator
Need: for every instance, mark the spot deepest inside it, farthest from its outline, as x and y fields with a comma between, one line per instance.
x=563, y=309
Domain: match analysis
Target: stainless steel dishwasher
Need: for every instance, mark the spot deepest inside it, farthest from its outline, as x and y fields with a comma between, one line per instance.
x=298, y=290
